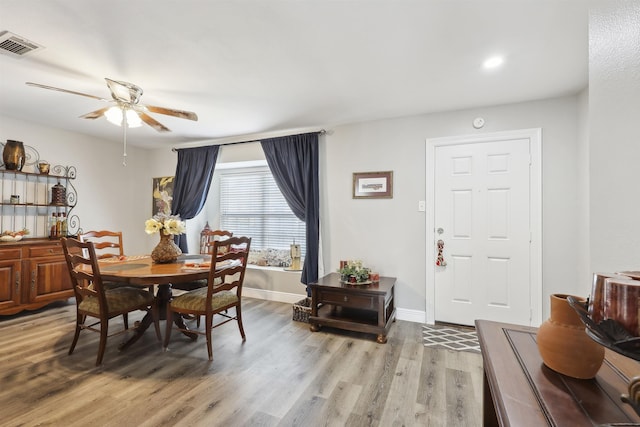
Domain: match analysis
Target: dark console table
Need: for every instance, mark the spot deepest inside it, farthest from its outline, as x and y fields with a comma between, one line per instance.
x=361, y=308
x=519, y=390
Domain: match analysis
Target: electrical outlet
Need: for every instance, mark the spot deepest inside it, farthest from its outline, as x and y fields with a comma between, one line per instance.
x=422, y=206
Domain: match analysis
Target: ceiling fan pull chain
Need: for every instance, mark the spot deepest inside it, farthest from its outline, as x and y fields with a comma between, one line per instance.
x=124, y=136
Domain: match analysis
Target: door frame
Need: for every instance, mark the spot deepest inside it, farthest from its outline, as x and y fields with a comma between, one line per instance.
x=535, y=212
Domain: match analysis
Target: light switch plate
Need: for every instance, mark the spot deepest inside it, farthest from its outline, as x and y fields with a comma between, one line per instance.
x=422, y=206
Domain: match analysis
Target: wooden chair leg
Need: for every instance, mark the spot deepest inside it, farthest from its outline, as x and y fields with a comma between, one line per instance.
x=208, y=323
x=239, y=319
x=79, y=321
x=104, y=329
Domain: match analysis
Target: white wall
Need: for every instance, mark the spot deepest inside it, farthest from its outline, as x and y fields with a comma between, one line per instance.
x=585, y=273
x=110, y=196
x=360, y=228
x=388, y=234
x=590, y=152
x=266, y=283
x=614, y=135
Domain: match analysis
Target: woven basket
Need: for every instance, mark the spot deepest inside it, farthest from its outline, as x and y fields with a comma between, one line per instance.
x=302, y=310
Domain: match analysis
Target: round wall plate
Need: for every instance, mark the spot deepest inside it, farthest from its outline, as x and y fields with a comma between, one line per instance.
x=478, y=122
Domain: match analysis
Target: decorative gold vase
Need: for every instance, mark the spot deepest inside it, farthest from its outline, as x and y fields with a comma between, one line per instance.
x=166, y=251
x=13, y=155
x=564, y=345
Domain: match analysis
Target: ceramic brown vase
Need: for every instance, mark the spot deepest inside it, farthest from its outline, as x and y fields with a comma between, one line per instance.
x=563, y=343
x=166, y=251
x=13, y=155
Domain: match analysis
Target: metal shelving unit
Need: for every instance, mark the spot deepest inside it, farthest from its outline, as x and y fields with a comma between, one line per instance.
x=34, y=206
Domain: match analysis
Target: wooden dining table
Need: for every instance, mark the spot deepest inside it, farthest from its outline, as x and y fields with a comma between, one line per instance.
x=140, y=270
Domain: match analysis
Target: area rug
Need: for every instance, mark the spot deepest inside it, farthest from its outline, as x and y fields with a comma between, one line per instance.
x=452, y=338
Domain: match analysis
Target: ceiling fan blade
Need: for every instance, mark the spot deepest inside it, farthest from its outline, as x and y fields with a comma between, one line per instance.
x=189, y=115
x=153, y=123
x=95, y=114
x=67, y=91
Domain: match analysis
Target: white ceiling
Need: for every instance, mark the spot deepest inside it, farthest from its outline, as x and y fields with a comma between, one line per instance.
x=250, y=67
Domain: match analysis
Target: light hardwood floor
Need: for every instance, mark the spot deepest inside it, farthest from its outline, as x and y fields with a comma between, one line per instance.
x=283, y=375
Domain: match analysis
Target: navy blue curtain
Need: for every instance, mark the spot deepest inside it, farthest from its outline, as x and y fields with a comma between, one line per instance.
x=194, y=173
x=293, y=161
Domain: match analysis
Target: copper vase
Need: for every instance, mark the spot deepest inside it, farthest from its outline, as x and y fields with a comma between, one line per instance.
x=166, y=251
x=13, y=155
x=564, y=345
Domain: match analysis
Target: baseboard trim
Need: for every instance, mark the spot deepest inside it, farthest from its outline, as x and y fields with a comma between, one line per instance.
x=272, y=295
x=405, y=314
x=409, y=315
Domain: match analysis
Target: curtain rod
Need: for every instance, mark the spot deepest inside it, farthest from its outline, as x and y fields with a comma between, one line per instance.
x=320, y=132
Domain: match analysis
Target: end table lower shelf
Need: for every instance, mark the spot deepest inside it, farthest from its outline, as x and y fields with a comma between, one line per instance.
x=359, y=308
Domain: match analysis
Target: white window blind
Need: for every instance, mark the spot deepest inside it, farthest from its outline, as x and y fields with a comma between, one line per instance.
x=251, y=204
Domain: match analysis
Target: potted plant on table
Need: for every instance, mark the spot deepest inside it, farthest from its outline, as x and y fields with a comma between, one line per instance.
x=353, y=271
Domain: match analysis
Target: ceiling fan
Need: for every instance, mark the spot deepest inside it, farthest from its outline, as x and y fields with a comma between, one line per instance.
x=127, y=111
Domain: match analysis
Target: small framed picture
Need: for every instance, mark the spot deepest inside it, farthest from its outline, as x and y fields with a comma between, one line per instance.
x=373, y=185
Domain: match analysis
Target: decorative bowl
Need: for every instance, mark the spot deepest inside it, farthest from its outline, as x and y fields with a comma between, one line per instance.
x=7, y=238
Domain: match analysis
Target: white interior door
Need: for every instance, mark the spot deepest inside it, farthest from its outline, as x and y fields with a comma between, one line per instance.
x=482, y=203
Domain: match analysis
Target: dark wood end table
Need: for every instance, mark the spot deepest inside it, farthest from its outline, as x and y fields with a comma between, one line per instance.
x=360, y=308
x=519, y=390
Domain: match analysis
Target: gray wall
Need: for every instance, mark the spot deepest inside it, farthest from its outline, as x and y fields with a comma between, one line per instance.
x=590, y=152
x=110, y=196
x=388, y=234
x=361, y=228
x=614, y=135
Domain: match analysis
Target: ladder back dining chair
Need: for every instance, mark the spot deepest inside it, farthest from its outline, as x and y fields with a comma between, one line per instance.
x=223, y=291
x=96, y=304
x=207, y=239
x=107, y=244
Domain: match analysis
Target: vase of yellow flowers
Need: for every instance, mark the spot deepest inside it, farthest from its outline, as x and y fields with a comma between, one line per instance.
x=168, y=226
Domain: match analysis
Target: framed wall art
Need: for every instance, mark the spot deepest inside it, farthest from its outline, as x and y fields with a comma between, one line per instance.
x=373, y=185
x=162, y=195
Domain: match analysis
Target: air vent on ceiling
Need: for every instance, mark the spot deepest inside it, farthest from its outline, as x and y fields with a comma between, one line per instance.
x=14, y=45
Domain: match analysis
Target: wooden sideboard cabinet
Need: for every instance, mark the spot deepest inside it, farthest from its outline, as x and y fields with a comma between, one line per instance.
x=33, y=273
x=519, y=390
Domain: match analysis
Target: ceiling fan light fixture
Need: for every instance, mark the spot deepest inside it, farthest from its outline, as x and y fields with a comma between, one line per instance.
x=114, y=115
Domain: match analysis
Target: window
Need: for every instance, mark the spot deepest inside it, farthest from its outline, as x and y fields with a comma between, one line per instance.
x=252, y=205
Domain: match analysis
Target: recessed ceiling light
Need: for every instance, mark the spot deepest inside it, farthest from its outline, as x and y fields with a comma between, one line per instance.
x=493, y=62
